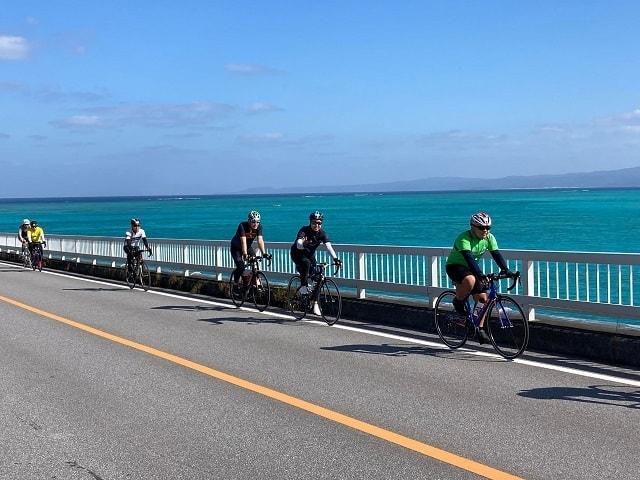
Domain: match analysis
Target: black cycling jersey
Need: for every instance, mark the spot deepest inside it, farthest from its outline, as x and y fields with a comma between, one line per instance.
x=245, y=230
x=313, y=239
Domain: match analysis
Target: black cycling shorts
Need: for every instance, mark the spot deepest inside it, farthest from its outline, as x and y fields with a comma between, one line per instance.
x=458, y=272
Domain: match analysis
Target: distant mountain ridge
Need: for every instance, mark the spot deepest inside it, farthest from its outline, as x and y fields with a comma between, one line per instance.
x=623, y=178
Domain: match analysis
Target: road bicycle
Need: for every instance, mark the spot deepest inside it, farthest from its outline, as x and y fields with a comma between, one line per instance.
x=505, y=322
x=36, y=256
x=253, y=284
x=137, y=273
x=25, y=256
x=321, y=290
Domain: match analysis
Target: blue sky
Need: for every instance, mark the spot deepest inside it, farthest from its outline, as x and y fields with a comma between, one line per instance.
x=206, y=97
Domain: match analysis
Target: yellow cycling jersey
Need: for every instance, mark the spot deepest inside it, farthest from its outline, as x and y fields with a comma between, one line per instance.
x=35, y=235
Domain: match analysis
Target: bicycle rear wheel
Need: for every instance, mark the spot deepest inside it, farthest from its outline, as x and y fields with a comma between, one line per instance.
x=508, y=327
x=144, y=277
x=451, y=326
x=330, y=302
x=297, y=298
x=237, y=291
x=260, y=291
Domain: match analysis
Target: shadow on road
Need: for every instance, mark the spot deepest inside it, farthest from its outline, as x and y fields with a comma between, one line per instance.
x=613, y=395
x=249, y=320
x=403, y=350
x=96, y=289
x=16, y=270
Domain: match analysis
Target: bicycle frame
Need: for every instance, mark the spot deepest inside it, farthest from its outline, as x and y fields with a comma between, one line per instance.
x=493, y=297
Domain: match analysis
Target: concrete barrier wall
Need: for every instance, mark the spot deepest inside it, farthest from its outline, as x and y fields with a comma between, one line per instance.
x=598, y=346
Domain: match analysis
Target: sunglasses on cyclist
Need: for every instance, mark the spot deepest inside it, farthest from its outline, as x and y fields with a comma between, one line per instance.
x=254, y=221
x=486, y=229
x=316, y=223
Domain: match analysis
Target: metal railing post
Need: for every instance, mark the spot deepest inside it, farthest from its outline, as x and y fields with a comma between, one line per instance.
x=362, y=274
x=528, y=280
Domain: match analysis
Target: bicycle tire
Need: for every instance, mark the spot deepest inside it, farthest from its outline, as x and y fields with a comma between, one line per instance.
x=451, y=326
x=26, y=260
x=297, y=302
x=237, y=292
x=144, y=276
x=260, y=291
x=330, y=302
x=508, y=327
x=129, y=274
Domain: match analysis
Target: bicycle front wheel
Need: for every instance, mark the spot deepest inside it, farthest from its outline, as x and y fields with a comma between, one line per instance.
x=26, y=260
x=508, y=327
x=236, y=291
x=145, y=277
x=330, y=302
x=261, y=292
x=297, y=298
x=130, y=276
x=451, y=326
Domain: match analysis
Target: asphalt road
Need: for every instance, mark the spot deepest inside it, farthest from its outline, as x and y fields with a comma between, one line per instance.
x=156, y=391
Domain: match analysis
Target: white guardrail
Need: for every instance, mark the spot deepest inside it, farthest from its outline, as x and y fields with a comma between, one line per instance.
x=598, y=290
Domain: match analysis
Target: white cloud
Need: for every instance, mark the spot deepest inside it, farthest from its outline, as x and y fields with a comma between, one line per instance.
x=262, y=107
x=196, y=114
x=13, y=48
x=250, y=69
x=78, y=122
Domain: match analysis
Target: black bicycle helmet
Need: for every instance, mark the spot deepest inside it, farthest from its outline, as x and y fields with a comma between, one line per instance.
x=316, y=216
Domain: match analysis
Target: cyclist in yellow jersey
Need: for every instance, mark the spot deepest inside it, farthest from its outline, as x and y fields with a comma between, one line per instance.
x=35, y=237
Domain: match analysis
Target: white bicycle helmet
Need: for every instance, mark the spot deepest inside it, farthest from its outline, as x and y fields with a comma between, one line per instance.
x=253, y=215
x=480, y=219
x=26, y=222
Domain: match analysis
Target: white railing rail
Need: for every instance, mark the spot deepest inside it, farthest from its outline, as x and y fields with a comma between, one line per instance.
x=591, y=285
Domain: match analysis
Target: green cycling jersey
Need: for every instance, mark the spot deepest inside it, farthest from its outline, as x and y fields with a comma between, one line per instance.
x=477, y=246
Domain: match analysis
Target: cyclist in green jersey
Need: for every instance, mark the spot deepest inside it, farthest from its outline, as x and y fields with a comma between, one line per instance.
x=462, y=264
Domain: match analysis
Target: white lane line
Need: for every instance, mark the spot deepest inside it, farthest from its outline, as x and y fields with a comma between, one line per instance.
x=530, y=363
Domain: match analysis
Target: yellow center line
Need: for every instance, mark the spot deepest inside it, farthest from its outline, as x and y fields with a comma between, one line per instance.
x=406, y=442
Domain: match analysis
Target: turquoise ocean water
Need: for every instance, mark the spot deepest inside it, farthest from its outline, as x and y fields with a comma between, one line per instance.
x=567, y=219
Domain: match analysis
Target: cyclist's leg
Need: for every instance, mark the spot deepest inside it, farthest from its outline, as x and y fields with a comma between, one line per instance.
x=127, y=250
x=464, y=281
x=236, y=254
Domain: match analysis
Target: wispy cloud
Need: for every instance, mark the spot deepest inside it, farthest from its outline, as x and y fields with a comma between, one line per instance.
x=53, y=94
x=280, y=139
x=262, y=107
x=4, y=136
x=147, y=115
x=79, y=122
x=251, y=69
x=460, y=139
x=37, y=138
x=13, y=48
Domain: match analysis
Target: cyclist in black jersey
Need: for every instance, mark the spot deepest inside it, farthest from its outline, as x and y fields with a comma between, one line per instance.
x=241, y=243
x=23, y=232
x=307, y=241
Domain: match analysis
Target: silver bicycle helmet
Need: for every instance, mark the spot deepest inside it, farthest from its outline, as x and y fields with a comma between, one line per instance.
x=480, y=219
x=26, y=222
